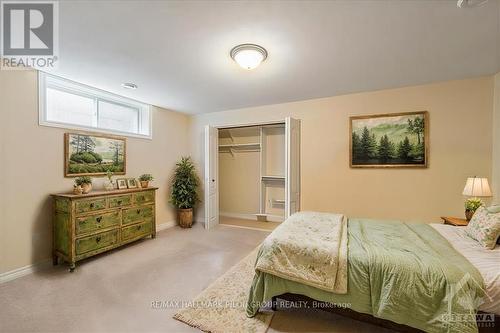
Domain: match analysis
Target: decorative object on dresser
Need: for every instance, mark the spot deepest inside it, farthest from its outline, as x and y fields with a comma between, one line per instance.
x=456, y=221
x=145, y=179
x=93, y=154
x=77, y=189
x=109, y=184
x=184, y=193
x=85, y=182
x=132, y=183
x=394, y=140
x=121, y=183
x=474, y=189
x=86, y=225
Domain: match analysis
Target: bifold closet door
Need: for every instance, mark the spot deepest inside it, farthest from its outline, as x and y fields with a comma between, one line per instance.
x=292, y=178
x=211, y=176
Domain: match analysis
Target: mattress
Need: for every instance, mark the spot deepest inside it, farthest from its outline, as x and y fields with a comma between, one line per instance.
x=487, y=262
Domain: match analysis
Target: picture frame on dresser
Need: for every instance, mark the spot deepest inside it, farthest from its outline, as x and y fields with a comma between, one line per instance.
x=132, y=183
x=122, y=183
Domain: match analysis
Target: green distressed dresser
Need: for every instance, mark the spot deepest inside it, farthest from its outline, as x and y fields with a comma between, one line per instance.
x=89, y=224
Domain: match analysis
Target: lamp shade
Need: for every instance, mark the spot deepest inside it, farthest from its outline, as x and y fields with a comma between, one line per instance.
x=477, y=187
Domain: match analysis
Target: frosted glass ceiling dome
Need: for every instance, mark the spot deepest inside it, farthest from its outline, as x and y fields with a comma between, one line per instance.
x=248, y=56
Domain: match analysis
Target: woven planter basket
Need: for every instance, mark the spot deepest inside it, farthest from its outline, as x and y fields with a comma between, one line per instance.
x=185, y=217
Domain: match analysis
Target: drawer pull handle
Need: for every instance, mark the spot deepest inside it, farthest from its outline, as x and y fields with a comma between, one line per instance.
x=99, y=219
x=138, y=211
x=92, y=205
x=119, y=202
x=98, y=239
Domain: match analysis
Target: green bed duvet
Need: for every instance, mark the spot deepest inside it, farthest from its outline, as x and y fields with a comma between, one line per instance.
x=406, y=273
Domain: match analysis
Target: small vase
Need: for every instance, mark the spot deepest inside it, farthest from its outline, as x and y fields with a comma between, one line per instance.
x=144, y=183
x=86, y=188
x=108, y=186
x=77, y=189
x=469, y=214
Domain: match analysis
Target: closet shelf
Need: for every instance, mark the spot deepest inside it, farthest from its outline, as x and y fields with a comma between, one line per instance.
x=231, y=148
x=271, y=178
x=241, y=146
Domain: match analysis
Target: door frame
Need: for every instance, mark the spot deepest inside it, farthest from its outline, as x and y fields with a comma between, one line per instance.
x=236, y=125
x=262, y=123
x=207, y=178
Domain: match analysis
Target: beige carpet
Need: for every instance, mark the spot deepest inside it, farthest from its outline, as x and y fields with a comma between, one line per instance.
x=221, y=307
x=115, y=292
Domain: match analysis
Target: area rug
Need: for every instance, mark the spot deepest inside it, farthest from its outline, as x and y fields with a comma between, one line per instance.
x=221, y=307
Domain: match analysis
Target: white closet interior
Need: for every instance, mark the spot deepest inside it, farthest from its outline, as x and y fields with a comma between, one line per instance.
x=252, y=172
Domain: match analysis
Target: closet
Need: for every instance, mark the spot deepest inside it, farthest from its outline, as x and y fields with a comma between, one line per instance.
x=252, y=171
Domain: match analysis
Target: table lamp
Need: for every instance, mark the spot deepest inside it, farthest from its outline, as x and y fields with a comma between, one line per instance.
x=475, y=188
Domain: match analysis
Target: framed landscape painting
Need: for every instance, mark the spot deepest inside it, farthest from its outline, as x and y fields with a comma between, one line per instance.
x=394, y=140
x=93, y=155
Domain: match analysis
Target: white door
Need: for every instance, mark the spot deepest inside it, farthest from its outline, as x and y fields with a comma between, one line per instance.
x=211, y=177
x=292, y=184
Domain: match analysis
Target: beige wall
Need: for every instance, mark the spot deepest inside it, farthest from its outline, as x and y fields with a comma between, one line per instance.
x=32, y=167
x=461, y=136
x=239, y=183
x=496, y=142
x=239, y=173
x=460, y=146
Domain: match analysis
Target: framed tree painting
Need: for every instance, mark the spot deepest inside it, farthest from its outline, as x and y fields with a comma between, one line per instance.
x=94, y=155
x=397, y=140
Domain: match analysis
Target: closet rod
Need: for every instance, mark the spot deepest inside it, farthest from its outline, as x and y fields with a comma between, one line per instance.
x=271, y=123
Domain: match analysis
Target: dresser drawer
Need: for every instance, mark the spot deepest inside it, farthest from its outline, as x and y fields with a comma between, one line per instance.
x=136, y=231
x=123, y=200
x=83, y=206
x=97, y=221
x=137, y=214
x=144, y=197
x=96, y=242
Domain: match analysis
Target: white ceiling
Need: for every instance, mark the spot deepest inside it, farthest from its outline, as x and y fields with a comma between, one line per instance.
x=178, y=52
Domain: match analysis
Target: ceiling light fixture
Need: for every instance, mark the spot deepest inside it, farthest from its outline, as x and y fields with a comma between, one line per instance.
x=248, y=56
x=128, y=85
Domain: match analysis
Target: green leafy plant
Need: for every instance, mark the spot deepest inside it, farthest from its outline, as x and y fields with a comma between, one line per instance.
x=473, y=204
x=109, y=174
x=185, y=184
x=146, y=177
x=83, y=180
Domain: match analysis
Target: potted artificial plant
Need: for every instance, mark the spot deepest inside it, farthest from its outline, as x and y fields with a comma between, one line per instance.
x=145, y=179
x=184, y=194
x=85, y=182
x=471, y=205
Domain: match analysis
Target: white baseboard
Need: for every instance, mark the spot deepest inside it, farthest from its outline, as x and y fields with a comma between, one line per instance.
x=22, y=271
x=166, y=225
x=253, y=217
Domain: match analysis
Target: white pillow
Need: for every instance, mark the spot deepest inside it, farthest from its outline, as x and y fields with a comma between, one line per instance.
x=494, y=209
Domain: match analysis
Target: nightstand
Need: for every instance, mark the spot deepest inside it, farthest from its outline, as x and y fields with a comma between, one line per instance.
x=457, y=222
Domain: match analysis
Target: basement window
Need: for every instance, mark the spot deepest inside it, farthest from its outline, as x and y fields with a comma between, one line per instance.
x=67, y=104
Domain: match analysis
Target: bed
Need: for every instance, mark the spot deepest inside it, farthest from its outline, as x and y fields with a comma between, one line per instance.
x=403, y=273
